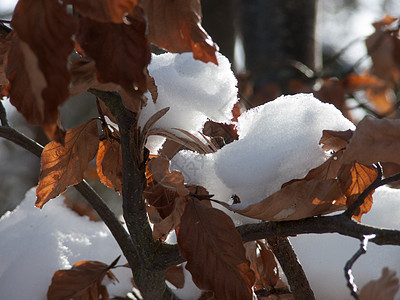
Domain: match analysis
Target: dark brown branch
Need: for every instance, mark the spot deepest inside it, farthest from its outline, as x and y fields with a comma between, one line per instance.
x=323, y=224
x=292, y=268
x=150, y=281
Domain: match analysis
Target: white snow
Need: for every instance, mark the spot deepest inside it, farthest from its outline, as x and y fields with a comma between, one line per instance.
x=278, y=142
x=35, y=243
x=194, y=91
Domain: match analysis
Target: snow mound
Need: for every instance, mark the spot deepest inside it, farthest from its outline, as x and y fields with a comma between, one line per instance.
x=195, y=91
x=36, y=243
x=278, y=142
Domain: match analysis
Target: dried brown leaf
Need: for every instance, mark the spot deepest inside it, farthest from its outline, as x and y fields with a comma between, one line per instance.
x=381, y=99
x=81, y=282
x=109, y=164
x=214, y=252
x=175, y=276
x=355, y=82
x=45, y=52
x=64, y=165
x=175, y=26
x=297, y=200
x=385, y=288
x=375, y=140
x=172, y=221
x=104, y=10
x=333, y=91
x=335, y=140
x=159, y=168
x=382, y=46
x=267, y=266
x=355, y=178
x=123, y=63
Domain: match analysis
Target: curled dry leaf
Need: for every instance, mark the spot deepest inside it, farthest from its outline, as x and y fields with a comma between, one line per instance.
x=109, y=164
x=214, y=252
x=354, y=179
x=297, y=200
x=120, y=63
x=105, y=10
x=385, y=288
x=267, y=266
x=383, y=47
x=375, y=140
x=335, y=140
x=64, y=165
x=82, y=281
x=42, y=50
x=172, y=221
x=83, y=77
x=159, y=168
x=175, y=26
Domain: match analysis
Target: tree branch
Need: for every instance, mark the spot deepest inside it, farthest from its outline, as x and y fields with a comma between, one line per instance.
x=151, y=281
x=116, y=228
x=292, y=268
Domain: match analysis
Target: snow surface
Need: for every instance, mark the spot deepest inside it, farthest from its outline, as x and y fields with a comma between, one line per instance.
x=195, y=92
x=278, y=142
x=35, y=243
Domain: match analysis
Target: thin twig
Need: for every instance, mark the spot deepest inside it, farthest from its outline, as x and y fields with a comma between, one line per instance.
x=349, y=264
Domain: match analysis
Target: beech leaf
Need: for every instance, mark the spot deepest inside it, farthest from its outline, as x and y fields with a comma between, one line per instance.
x=172, y=221
x=355, y=178
x=44, y=52
x=297, y=200
x=64, y=165
x=117, y=62
x=375, y=140
x=267, y=266
x=82, y=282
x=175, y=26
x=104, y=10
x=214, y=252
x=385, y=288
x=109, y=164
x=383, y=46
x=174, y=181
